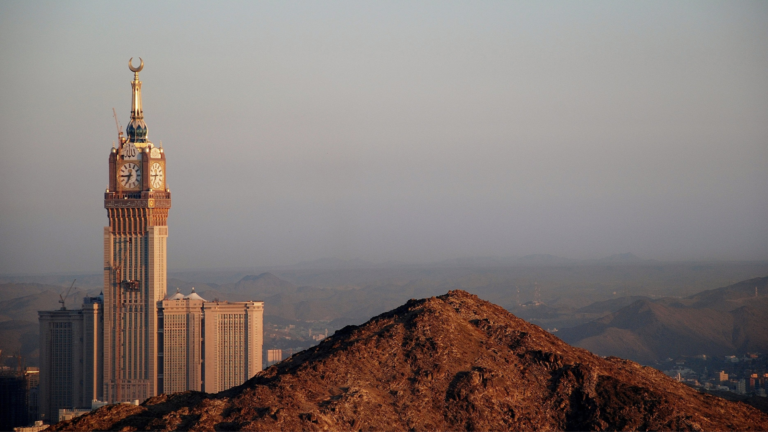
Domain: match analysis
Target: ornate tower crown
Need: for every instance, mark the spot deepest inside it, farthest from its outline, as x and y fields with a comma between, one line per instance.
x=137, y=129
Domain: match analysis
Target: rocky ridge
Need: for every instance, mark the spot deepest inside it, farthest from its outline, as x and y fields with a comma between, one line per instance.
x=452, y=362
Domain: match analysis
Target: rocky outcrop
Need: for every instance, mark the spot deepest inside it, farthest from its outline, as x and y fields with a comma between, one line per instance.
x=452, y=362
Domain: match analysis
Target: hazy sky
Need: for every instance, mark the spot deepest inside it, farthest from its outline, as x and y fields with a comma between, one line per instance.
x=411, y=131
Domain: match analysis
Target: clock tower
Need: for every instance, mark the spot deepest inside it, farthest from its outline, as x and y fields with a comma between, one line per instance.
x=137, y=202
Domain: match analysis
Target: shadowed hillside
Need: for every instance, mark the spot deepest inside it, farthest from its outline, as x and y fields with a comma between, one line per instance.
x=452, y=362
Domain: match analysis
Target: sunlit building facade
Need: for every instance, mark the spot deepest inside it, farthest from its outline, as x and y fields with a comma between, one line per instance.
x=208, y=346
x=233, y=339
x=133, y=341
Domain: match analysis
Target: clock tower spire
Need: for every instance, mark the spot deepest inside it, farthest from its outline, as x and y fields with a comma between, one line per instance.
x=137, y=129
x=137, y=203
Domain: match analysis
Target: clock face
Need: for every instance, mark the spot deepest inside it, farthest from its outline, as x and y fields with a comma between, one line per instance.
x=129, y=175
x=156, y=175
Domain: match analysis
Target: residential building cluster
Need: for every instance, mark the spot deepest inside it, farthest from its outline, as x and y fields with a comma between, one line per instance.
x=745, y=375
x=294, y=337
x=200, y=345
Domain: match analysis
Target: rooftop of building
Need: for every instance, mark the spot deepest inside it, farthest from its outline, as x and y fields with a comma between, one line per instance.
x=191, y=296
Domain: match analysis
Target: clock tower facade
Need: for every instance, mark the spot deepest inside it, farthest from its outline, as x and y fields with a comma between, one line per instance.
x=137, y=202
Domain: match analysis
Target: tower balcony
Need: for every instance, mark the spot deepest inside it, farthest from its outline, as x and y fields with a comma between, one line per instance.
x=115, y=195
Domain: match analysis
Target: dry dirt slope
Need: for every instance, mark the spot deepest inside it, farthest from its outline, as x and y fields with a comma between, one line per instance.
x=452, y=362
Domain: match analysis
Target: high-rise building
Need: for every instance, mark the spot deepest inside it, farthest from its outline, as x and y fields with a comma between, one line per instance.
x=181, y=319
x=32, y=381
x=137, y=203
x=70, y=357
x=233, y=339
x=208, y=346
x=132, y=342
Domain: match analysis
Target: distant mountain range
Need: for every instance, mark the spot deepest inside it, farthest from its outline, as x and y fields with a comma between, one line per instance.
x=536, y=259
x=584, y=302
x=471, y=261
x=623, y=257
x=723, y=321
x=20, y=337
x=287, y=301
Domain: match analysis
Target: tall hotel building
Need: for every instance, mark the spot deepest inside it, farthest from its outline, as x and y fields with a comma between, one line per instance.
x=231, y=349
x=133, y=342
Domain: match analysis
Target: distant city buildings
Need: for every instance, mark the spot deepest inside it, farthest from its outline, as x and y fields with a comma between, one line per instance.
x=69, y=414
x=318, y=336
x=746, y=376
x=741, y=386
x=274, y=356
x=133, y=341
x=18, y=397
x=37, y=426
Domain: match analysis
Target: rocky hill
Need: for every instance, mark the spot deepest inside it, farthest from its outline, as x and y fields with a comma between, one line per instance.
x=453, y=362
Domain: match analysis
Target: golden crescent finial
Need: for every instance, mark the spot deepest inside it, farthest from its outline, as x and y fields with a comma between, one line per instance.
x=133, y=69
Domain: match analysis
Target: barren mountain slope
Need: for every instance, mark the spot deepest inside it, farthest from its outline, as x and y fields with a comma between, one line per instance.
x=732, y=296
x=452, y=362
x=724, y=321
x=646, y=331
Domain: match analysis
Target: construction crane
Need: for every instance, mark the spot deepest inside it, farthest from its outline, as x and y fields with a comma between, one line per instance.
x=63, y=299
x=119, y=127
x=129, y=285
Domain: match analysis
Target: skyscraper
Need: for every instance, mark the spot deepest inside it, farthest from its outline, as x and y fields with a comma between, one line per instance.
x=180, y=349
x=233, y=337
x=70, y=357
x=137, y=203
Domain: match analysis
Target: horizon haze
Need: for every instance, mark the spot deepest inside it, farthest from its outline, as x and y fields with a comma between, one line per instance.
x=407, y=132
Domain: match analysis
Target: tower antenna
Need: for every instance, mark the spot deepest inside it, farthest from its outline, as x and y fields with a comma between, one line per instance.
x=119, y=127
x=64, y=298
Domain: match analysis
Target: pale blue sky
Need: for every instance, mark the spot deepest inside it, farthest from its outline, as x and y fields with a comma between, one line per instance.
x=411, y=131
